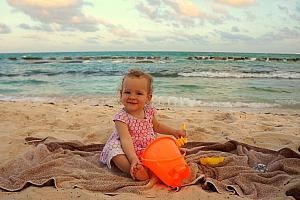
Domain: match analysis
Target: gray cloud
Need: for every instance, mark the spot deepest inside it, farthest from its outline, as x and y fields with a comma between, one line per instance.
x=234, y=36
x=43, y=27
x=4, y=29
x=283, y=9
x=63, y=15
x=154, y=11
x=273, y=36
x=176, y=13
x=250, y=17
x=296, y=14
x=281, y=34
x=179, y=38
x=186, y=13
x=292, y=12
x=93, y=40
x=235, y=29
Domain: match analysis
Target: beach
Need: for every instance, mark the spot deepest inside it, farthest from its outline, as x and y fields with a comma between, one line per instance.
x=91, y=122
x=227, y=70
x=251, y=98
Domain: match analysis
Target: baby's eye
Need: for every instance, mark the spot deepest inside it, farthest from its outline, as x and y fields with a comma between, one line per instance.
x=139, y=93
x=127, y=92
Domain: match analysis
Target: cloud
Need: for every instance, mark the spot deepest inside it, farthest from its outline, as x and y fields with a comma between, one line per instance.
x=250, y=17
x=186, y=13
x=43, y=27
x=182, y=38
x=281, y=34
x=293, y=12
x=234, y=36
x=120, y=31
x=186, y=8
x=93, y=40
x=283, y=9
x=4, y=29
x=235, y=29
x=237, y=3
x=176, y=13
x=154, y=12
x=63, y=14
x=296, y=14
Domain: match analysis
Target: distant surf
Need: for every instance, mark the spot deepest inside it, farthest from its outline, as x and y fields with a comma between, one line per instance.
x=180, y=78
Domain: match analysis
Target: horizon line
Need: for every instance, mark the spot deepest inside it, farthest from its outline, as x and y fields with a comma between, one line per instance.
x=174, y=51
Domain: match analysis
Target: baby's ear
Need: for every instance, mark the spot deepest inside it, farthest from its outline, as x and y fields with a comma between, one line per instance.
x=149, y=98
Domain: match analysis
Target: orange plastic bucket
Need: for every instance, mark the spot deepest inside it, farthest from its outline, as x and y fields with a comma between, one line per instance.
x=164, y=159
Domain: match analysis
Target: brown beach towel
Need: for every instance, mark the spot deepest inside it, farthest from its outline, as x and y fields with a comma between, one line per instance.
x=247, y=171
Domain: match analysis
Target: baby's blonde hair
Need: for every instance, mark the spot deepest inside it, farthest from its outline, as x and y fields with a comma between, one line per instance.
x=138, y=73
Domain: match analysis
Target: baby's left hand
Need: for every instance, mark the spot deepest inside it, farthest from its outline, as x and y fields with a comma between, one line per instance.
x=179, y=133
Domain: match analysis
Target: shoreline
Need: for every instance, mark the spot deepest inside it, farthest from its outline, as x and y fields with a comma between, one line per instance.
x=113, y=100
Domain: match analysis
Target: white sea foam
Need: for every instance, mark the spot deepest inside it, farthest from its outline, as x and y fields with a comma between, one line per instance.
x=117, y=61
x=26, y=98
x=207, y=74
x=182, y=101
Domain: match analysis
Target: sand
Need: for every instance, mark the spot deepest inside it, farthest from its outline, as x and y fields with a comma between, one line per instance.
x=91, y=122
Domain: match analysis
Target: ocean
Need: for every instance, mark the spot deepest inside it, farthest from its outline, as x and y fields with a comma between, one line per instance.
x=252, y=80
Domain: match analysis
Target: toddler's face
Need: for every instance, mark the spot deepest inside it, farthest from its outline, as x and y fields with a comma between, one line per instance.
x=135, y=94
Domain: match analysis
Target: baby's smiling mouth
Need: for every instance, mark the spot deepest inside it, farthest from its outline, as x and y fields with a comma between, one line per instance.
x=129, y=102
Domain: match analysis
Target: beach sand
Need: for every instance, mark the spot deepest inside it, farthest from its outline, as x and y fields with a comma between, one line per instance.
x=91, y=122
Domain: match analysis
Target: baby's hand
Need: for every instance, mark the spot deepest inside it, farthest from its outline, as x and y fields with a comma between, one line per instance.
x=179, y=133
x=133, y=166
x=138, y=171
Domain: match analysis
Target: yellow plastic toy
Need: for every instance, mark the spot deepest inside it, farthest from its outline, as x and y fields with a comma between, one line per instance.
x=183, y=126
x=182, y=140
x=212, y=161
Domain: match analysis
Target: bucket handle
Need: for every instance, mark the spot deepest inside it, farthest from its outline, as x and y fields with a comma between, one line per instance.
x=166, y=160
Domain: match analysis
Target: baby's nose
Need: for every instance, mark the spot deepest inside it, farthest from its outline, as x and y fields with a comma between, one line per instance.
x=132, y=96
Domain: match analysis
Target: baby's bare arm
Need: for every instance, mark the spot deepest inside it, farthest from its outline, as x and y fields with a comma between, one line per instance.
x=126, y=141
x=164, y=129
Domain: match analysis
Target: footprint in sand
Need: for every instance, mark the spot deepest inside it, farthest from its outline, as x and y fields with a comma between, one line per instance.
x=201, y=130
x=264, y=128
x=226, y=117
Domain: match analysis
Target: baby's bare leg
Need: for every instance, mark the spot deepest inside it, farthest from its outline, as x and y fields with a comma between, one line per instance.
x=122, y=163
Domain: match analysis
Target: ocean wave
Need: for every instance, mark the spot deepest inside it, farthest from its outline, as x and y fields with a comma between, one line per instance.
x=39, y=72
x=164, y=74
x=9, y=75
x=21, y=82
x=269, y=90
x=26, y=98
x=171, y=74
x=181, y=101
x=223, y=74
x=97, y=72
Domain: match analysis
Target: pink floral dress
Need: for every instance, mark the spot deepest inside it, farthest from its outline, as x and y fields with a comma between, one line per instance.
x=141, y=131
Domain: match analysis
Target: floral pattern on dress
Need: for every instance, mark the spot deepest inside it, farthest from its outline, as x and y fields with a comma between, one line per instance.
x=141, y=131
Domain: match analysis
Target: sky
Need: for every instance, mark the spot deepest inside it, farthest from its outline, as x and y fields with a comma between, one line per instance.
x=267, y=26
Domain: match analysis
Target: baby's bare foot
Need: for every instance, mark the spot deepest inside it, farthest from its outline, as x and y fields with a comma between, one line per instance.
x=140, y=173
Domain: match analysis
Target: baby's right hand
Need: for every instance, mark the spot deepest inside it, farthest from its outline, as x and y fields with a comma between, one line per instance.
x=179, y=133
x=133, y=167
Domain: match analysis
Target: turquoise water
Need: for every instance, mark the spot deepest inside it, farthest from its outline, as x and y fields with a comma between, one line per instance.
x=181, y=78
